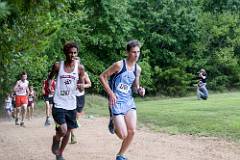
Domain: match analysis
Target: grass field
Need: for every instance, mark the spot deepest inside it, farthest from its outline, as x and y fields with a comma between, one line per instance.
x=218, y=116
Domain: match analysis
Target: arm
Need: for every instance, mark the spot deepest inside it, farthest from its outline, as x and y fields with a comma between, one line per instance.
x=136, y=85
x=84, y=82
x=52, y=74
x=43, y=86
x=15, y=87
x=104, y=81
x=87, y=81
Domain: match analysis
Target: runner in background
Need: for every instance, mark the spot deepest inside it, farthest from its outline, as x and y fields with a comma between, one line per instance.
x=31, y=102
x=48, y=99
x=22, y=91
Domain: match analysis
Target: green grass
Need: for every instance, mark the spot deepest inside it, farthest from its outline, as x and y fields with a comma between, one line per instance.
x=219, y=116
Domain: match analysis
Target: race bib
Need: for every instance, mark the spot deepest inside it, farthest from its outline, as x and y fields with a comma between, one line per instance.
x=64, y=92
x=123, y=88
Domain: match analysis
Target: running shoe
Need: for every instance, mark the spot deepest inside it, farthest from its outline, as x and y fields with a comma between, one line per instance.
x=16, y=121
x=73, y=139
x=22, y=124
x=59, y=157
x=121, y=157
x=47, y=122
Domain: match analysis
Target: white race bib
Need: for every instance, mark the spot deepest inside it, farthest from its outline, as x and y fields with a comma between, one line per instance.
x=123, y=87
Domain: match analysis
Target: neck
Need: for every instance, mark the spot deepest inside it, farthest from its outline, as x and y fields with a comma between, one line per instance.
x=69, y=63
x=130, y=62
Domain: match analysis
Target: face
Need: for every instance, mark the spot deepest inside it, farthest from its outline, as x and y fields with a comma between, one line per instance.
x=24, y=77
x=134, y=53
x=71, y=54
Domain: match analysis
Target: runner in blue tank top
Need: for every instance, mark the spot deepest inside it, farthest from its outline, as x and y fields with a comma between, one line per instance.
x=123, y=80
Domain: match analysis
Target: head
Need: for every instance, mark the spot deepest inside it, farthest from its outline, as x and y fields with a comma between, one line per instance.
x=133, y=50
x=31, y=88
x=203, y=71
x=23, y=76
x=70, y=50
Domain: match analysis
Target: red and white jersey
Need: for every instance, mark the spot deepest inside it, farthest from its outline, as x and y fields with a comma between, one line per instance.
x=65, y=89
x=22, y=88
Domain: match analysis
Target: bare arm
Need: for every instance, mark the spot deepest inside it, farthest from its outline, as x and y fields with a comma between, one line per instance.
x=52, y=74
x=43, y=86
x=15, y=87
x=104, y=81
x=87, y=81
x=136, y=85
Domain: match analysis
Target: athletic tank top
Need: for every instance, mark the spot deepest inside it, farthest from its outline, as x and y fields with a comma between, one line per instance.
x=22, y=88
x=121, y=83
x=65, y=90
x=31, y=96
x=46, y=87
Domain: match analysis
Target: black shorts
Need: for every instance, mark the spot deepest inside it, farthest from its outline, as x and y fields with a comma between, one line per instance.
x=14, y=104
x=80, y=103
x=62, y=116
x=49, y=99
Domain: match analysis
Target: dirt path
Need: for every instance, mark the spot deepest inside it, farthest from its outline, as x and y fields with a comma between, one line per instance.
x=95, y=143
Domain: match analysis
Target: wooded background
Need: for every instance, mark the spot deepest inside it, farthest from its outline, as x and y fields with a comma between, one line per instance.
x=179, y=37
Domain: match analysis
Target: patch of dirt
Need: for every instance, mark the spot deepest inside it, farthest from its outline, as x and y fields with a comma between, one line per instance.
x=96, y=143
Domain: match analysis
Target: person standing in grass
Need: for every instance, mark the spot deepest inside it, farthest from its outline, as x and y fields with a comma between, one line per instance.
x=68, y=72
x=119, y=81
x=202, y=92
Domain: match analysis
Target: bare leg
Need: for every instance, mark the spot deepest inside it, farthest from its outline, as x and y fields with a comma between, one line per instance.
x=65, y=141
x=125, y=129
x=32, y=110
x=24, y=110
x=18, y=110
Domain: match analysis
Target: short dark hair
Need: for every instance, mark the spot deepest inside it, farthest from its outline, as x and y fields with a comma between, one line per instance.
x=131, y=44
x=69, y=45
x=23, y=73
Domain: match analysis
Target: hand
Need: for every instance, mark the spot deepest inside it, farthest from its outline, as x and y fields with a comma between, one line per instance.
x=80, y=86
x=112, y=100
x=141, y=91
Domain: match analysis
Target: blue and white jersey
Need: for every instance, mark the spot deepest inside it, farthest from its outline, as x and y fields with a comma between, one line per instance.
x=121, y=84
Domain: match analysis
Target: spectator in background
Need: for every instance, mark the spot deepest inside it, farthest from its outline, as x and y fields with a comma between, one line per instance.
x=202, y=92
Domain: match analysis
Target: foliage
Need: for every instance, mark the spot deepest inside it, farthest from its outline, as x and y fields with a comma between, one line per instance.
x=178, y=39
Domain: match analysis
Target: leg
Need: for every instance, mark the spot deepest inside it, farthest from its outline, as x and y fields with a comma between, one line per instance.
x=60, y=132
x=48, y=112
x=131, y=121
x=32, y=109
x=28, y=112
x=65, y=141
x=18, y=110
x=24, y=110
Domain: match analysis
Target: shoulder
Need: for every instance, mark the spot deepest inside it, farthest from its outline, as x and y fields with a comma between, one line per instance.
x=138, y=69
x=117, y=64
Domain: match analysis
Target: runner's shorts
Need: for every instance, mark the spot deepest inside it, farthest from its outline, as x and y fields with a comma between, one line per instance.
x=80, y=103
x=62, y=116
x=21, y=100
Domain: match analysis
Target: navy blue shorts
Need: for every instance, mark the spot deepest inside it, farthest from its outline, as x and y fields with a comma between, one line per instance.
x=80, y=103
x=49, y=99
x=62, y=116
